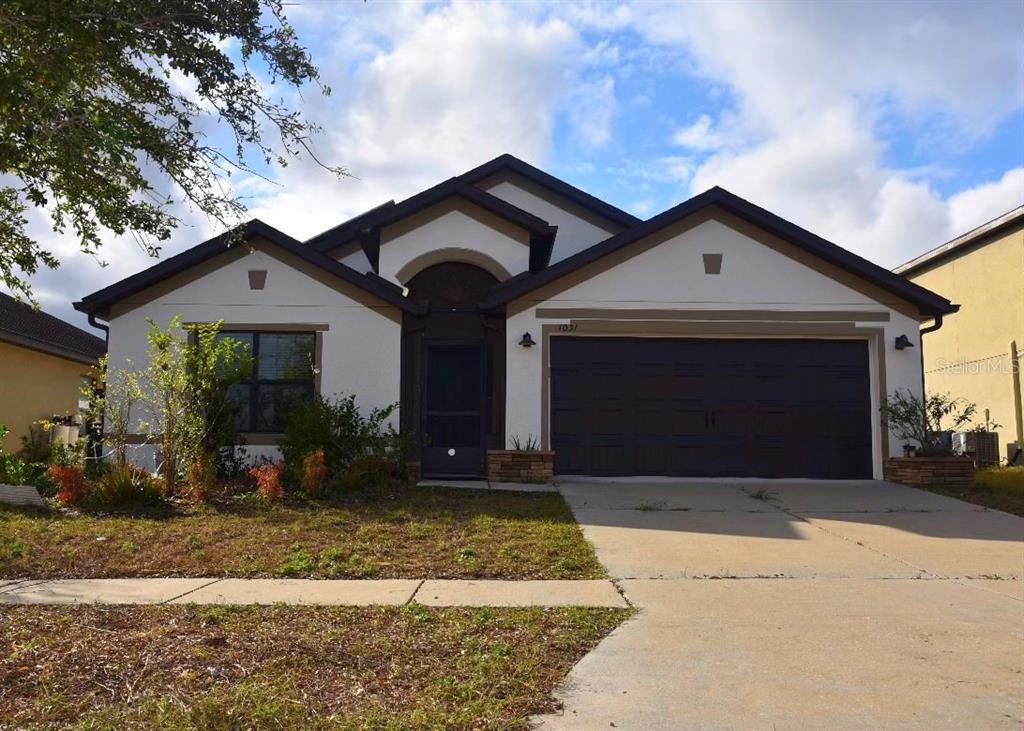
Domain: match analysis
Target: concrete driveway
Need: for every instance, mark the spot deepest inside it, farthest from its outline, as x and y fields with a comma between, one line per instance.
x=801, y=605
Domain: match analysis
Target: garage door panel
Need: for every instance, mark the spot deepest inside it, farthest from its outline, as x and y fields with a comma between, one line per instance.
x=774, y=408
x=607, y=421
x=610, y=459
x=610, y=386
x=569, y=422
x=654, y=424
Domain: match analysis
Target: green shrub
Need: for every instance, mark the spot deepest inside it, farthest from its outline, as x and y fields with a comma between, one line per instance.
x=367, y=470
x=924, y=421
x=35, y=446
x=356, y=447
x=123, y=485
x=19, y=471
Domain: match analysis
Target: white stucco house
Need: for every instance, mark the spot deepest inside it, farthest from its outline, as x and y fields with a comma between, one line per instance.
x=713, y=339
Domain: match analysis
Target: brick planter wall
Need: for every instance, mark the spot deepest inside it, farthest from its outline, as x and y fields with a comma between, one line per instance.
x=413, y=472
x=953, y=471
x=510, y=465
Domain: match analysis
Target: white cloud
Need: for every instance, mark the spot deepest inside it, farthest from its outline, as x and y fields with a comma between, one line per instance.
x=423, y=91
x=970, y=208
x=438, y=90
x=698, y=136
x=591, y=110
x=812, y=91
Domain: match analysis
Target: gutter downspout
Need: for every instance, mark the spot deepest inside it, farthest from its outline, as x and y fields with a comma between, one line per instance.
x=933, y=327
x=936, y=324
x=100, y=326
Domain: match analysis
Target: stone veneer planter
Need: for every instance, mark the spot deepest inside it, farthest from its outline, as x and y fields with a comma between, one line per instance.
x=953, y=471
x=511, y=465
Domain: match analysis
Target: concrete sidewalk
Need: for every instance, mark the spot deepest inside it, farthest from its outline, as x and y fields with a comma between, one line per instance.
x=392, y=592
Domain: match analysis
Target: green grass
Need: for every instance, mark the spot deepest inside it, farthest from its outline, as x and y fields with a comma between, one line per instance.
x=999, y=488
x=211, y=668
x=400, y=533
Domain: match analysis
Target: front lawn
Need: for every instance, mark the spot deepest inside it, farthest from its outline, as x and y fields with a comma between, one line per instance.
x=405, y=532
x=1000, y=488
x=188, y=667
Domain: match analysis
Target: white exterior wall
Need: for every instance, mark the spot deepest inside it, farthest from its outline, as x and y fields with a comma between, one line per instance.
x=454, y=231
x=360, y=345
x=574, y=233
x=671, y=276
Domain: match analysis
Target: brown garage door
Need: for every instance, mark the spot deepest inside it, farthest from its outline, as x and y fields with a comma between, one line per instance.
x=759, y=408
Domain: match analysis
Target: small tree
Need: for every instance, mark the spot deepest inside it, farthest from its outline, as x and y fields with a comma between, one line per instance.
x=924, y=421
x=111, y=399
x=184, y=392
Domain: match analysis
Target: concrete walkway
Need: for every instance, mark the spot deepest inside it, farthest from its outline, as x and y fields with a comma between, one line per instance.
x=393, y=592
x=801, y=605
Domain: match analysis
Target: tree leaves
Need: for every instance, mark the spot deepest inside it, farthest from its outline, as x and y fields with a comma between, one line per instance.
x=102, y=101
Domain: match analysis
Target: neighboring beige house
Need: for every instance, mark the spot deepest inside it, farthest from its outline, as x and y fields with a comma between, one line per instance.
x=43, y=361
x=982, y=270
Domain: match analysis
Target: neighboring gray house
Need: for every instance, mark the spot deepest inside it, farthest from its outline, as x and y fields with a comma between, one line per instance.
x=713, y=339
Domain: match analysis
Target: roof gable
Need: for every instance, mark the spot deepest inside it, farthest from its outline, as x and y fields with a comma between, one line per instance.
x=366, y=228
x=510, y=163
x=100, y=302
x=928, y=302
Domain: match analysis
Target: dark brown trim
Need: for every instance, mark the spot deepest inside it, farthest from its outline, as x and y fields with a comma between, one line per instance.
x=555, y=199
x=346, y=231
x=510, y=163
x=692, y=327
x=257, y=279
x=510, y=229
x=714, y=213
x=796, y=331
x=100, y=302
x=451, y=254
x=541, y=233
x=355, y=293
x=560, y=313
x=811, y=245
x=304, y=327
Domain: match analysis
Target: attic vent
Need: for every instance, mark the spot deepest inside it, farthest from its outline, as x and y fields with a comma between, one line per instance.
x=712, y=263
x=257, y=278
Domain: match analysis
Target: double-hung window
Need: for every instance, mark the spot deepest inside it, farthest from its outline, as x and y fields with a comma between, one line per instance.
x=285, y=370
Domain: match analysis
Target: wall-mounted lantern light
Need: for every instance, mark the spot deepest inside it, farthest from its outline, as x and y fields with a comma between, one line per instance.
x=527, y=341
x=903, y=342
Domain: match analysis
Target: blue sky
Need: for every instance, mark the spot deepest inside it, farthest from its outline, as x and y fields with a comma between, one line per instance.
x=888, y=128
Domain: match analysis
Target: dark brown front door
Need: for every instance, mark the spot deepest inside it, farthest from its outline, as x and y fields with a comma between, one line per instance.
x=454, y=430
x=759, y=408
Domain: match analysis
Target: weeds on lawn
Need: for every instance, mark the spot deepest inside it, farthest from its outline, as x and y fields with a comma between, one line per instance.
x=289, y=667
x=999, y=488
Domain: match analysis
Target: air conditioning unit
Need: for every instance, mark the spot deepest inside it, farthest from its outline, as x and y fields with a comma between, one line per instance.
x=982, y=445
